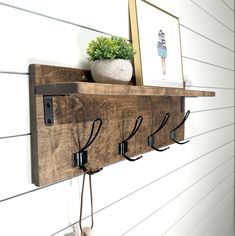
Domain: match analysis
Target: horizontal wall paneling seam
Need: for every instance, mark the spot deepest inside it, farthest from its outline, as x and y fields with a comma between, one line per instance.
x=175, y=197
x=212, y=208
x=32, y=191
x=54, y=18
x=161, y=206
x=213, y=109
x=227, y=5
x=14, y=72
x=63, y=229
x=229, y=206
x=228, y=159
x=147, y=185
x=221, y=199
x=143, y=187
x=206, y=87
x=218, y=10
x=209, y=131
x=208, y=63
x=205, y=37
x=200, y=221
x=15, y=136
x=232, y=30
x=165, y=175
x=199, y=201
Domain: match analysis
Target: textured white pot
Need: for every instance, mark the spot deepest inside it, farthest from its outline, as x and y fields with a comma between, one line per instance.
x=117, y=71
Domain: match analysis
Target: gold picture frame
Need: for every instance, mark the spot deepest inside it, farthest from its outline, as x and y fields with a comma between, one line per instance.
x=156, y=40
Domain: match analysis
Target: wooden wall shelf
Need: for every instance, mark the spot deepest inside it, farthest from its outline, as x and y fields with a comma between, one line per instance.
x=76, y=105
x=119, y=90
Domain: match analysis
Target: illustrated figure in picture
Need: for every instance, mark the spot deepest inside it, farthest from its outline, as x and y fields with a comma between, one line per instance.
x=162, y=50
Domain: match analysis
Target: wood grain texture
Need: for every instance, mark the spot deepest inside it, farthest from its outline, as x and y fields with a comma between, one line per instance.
x=113, y=89
x=53, y=146
x=54, y=74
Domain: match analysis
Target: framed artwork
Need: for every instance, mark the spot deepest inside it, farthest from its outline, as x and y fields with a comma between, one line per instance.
x=156, y=40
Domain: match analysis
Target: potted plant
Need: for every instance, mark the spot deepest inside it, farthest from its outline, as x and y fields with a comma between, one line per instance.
x=111, y=59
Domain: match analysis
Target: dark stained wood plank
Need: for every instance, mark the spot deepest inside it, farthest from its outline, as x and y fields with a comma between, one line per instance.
x=33, y=126
x=46, y=74
x=57, y=143
x=52, y=147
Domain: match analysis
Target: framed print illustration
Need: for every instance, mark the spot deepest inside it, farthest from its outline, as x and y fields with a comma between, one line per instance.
x=156, y=40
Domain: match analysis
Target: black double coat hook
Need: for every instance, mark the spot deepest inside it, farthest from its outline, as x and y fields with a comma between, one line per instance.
x=123, y=146
x=173, y=132
x=81, y=157
x=151, y=138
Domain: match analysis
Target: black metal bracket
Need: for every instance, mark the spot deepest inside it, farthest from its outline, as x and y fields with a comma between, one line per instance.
x=151, y=143
x=122, y=147
x=122, y=150
x=173, y=134
x=48, y=110
x=173, y=137
x=80, y=159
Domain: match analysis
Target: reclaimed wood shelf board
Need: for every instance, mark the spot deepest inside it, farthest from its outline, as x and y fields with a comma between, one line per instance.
x=76, y=104
x=113, y=89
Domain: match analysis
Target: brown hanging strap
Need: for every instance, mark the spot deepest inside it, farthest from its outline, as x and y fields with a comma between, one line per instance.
x=91, y=199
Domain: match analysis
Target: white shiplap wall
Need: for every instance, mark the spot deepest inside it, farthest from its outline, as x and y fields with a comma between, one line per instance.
x=188, y=190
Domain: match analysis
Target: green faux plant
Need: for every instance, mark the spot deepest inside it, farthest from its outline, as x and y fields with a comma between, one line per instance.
x=113, y=47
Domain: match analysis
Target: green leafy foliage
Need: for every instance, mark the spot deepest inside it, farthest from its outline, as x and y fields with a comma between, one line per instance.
x=110, y=48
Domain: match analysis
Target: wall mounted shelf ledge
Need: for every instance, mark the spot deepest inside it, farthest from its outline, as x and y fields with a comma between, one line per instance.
x=66, y=113
x=119, y=90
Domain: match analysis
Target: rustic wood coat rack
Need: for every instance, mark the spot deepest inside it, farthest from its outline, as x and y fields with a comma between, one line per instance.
x=63, y=111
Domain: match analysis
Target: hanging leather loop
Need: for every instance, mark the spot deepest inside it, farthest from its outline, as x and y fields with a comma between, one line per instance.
x=86, y=231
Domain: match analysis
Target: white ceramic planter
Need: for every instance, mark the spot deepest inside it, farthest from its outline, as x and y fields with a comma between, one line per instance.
x=117, y=71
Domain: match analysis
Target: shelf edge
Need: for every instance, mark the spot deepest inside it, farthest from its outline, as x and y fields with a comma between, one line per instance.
x=118, y=90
